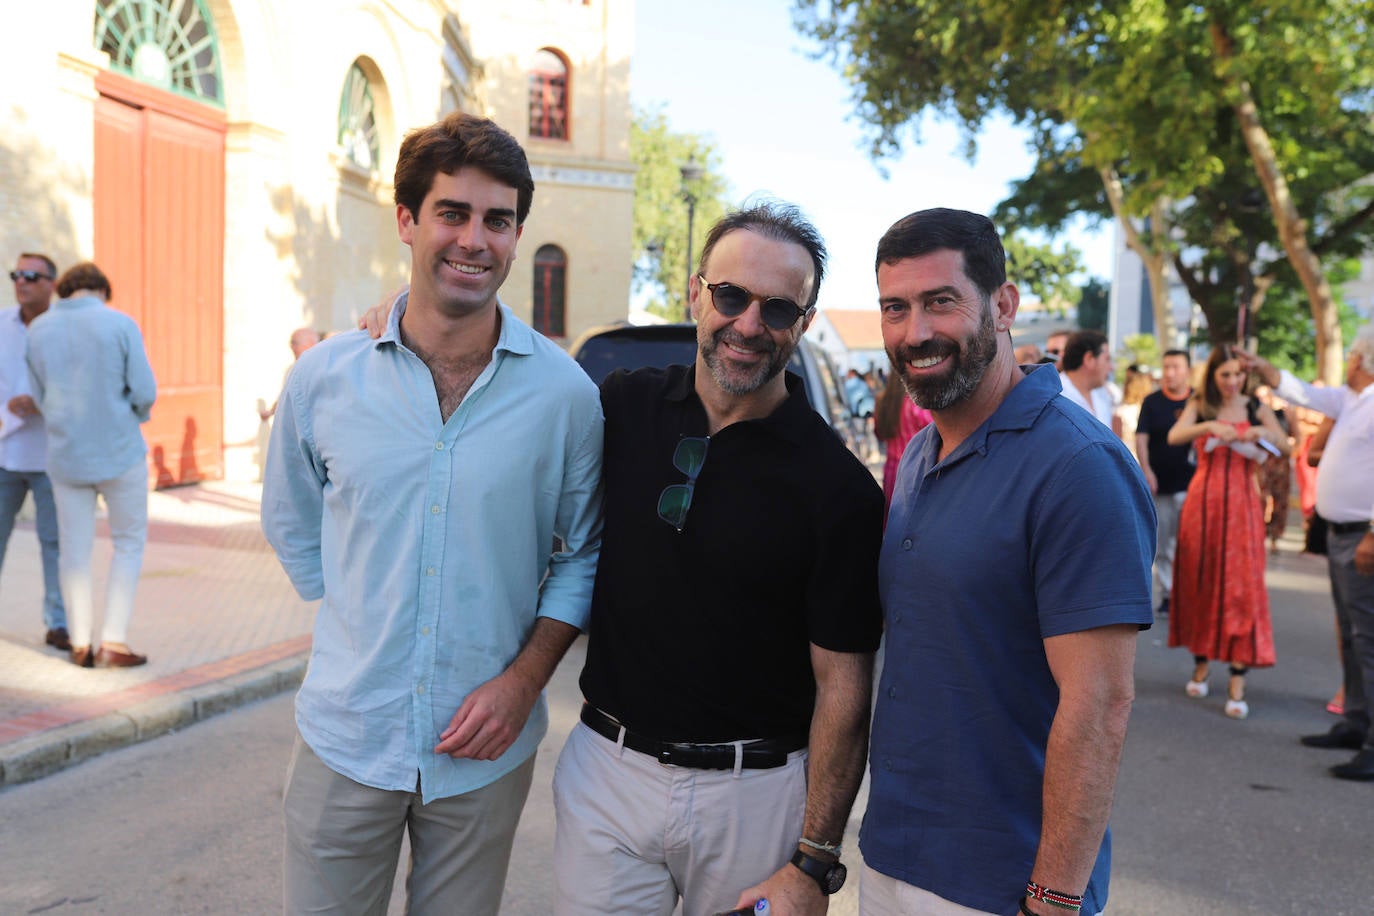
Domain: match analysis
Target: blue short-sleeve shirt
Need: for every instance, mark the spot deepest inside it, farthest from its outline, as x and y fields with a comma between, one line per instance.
x=1039, y=524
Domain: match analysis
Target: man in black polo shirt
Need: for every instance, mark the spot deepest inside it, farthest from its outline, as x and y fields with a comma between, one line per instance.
x=1168, y=468
x=734, y=617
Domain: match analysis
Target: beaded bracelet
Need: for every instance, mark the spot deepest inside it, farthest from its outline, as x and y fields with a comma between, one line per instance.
x=1054, y=898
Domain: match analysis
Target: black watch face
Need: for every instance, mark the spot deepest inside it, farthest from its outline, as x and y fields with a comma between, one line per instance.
x=834, y=878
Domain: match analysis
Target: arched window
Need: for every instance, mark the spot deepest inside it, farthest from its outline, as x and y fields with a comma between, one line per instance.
x=549, y=79
x=170, y=44
x=358, y=121
x=550, y=282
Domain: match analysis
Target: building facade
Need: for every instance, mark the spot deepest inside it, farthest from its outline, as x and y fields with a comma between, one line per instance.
x=228, y=163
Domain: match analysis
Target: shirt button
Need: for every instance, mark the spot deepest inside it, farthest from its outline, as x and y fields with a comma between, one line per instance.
x=887, y=765
x=906, y=544
x=434, y=510
x=430, y=571
x=424, y=631
x=896, y=618
x=420, y=690
x=438, y=446
x=892, y=692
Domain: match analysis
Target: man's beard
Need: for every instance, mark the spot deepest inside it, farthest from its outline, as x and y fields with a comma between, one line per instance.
x=962, y=379
x=738, y=381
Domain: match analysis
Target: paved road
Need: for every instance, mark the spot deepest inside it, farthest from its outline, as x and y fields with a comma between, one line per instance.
x=1213, y=816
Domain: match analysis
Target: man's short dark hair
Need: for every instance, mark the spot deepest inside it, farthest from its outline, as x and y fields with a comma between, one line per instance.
x=1187, y=359
x=781, y=222
x=52, y=265
x=1079, y=346
x=971, y=234
x=84, y=276
x=461, y=140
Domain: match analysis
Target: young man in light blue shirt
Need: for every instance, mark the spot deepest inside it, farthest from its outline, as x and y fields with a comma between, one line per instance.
x=415, y=483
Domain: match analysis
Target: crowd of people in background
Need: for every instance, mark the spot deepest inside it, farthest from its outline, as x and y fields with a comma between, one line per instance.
x=1221, y=448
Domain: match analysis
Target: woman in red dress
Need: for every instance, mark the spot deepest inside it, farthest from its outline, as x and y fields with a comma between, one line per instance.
x=1219, y=607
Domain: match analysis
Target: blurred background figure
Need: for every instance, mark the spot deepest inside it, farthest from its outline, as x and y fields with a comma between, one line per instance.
x=896, y=420
x=1139, y=385
x=1276, y=477
x=1054, y=347
x=1027, y=354
x=90, y=377
x=1313, y=430
x=1085, y=369
x=858, y=393
x=302, y=339
x=1220, y=607
x=23, y=437
x=1168, y=468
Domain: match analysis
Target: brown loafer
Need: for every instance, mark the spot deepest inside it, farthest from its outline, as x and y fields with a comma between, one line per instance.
x=113, y=658
x=58, y=638
x=82, y=656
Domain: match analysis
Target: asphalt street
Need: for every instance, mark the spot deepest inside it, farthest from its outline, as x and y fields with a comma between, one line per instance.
x=1213, y=816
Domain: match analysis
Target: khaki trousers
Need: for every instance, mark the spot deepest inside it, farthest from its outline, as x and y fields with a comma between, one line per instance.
x=633, y=834
x=343, y=839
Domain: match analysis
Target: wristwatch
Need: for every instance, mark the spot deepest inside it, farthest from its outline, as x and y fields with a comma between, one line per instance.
x=828, y=875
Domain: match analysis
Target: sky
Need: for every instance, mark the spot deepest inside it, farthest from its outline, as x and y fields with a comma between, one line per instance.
x=738, y=72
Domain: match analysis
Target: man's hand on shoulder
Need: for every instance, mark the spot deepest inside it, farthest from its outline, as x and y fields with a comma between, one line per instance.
x=374, y=319
x=490, y=719
x=789, y=893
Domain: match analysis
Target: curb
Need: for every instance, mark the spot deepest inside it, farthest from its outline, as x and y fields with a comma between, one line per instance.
x=58, y=748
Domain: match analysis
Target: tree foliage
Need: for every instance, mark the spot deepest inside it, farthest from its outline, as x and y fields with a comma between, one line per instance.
x=1045, y=271
x=1240, y=128
x=1092, y=306
x=660, y=207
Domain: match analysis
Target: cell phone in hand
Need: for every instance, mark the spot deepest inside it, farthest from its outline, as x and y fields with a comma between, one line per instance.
x=1269, y=447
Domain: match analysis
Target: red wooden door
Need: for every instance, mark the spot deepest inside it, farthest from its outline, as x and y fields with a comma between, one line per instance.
x=159, y=235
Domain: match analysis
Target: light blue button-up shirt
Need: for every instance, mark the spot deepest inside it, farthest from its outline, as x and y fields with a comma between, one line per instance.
x=90, y=377
x=430, y=542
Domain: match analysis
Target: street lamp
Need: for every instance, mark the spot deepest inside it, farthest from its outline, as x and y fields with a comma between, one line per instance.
x=691, y=173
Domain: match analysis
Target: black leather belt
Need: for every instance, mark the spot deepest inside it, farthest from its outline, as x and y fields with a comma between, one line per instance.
x=1347, y=527
x=764, y=754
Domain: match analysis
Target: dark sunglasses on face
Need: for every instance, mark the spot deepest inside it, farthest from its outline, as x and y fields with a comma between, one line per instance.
x=689, y=457
x=732, y=301
x=31, y=276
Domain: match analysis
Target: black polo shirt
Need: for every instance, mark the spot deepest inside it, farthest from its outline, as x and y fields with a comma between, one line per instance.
x=704, y=635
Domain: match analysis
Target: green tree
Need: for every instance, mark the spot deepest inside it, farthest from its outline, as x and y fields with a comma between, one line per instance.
x=660, y=208
x=1229, y=138
x=1045, y=272
x=1284, y=328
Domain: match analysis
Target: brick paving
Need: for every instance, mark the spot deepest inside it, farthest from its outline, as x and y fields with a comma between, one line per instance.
x=213, y=608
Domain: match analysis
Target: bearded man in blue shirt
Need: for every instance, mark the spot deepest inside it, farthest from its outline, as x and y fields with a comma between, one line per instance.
x=415, y=483
x=1014, y=575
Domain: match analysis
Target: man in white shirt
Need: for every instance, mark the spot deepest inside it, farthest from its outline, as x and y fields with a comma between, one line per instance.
x=1345, y=498
x=23, y=435
x=1087, y=366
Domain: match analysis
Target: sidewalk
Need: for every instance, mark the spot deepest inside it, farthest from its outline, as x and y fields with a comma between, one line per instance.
x=215, y=614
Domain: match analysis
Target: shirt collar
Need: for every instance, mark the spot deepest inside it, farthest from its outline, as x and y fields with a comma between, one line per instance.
x=515, y=336
x=785, y=421
x=1018, y=410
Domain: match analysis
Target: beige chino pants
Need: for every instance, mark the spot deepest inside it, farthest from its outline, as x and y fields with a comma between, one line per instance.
x=633, y=834
x=343, y=839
